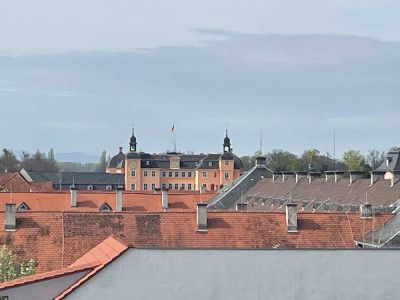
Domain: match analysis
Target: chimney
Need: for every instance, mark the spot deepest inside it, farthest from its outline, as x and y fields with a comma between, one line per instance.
x=203, y=189
x=241, y=206
x=10, y=218
x=73, y=191
x=202, y=217
x=366, y=211
x=120, y=149
x=164, y=198
x=291, y=217
x=118, y=203
x=260, y=162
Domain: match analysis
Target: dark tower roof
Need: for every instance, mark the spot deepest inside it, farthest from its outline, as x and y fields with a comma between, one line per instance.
x=227, y=143
x=133, y=137
x=133, y=143
x=227, y=140
x=117, y=159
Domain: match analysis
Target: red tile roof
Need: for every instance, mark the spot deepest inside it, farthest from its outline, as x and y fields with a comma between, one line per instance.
x=92, y=201
x=57, y=239
x=44, y=276
x=102, y=254
x=15, y=182
x=93, y=261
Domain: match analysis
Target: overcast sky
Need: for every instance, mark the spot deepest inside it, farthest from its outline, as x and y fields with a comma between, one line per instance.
x=75, y=74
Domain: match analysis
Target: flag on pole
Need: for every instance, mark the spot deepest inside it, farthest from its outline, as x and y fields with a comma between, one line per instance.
x=173, y=128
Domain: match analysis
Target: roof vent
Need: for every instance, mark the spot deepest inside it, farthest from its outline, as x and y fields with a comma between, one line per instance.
x=241, y=206
x=260, y=162
x=366, y=211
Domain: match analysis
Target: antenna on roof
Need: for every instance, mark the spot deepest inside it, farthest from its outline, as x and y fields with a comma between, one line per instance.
x=334, y=150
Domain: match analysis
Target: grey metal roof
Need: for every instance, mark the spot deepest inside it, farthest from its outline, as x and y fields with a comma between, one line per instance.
x=79, y=178
x=392, y=161
x=187, y=161
x=382, y=236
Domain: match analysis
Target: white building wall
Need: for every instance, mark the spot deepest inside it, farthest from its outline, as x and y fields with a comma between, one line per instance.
x=247, y=274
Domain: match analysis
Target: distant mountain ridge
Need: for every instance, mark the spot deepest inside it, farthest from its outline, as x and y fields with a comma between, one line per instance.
x=77, y=157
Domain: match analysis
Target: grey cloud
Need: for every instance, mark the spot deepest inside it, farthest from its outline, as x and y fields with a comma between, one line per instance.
x=298, y=87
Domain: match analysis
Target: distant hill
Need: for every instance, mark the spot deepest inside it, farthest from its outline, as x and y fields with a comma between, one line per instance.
x=77, y=157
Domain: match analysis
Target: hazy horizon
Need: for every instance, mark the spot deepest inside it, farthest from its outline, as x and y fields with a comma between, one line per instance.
x=76, y=79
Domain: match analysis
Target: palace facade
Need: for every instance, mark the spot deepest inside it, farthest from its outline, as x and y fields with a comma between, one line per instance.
x=176, y=171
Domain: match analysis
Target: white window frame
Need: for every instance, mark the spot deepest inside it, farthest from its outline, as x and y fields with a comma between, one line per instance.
x=133, y=186
x=133, y=173
x=204, y=174
x=226, y=175
x=226, y=162
x=153, y=173
x=145, y=186
x=153, y=186
x=145, y=173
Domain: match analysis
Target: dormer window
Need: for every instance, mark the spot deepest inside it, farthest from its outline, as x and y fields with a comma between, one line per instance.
x=388, y=161
x=90, y=187
x=210, y=164
x=108, y=187
x=23, y=207
x=147, y=163
x=105, y=207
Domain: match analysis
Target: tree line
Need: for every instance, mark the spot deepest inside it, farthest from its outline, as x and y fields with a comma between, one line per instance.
x=42, y=162
x=312, y=160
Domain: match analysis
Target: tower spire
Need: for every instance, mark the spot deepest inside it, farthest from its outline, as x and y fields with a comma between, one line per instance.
x=133, y=142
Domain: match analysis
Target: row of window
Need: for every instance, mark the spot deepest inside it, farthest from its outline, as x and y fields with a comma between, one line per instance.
x=176, y=174
x=176, y=186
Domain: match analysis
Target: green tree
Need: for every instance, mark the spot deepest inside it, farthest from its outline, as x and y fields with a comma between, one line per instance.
x=103, y=162
x=250, y=161
x=8, y=161
x=11, y=269
x=354, y=160
x=50, y=156
x=280, y=160
x=375, y=158
x=38, y=162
